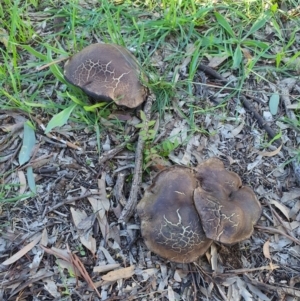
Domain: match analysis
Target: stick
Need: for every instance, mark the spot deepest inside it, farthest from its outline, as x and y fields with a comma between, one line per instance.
x=276, y=231
x=111, y=153
x=269, y=288
x=68, y=201
x=137, y=177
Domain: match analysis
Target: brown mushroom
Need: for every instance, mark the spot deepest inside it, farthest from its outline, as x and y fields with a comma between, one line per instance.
x=184, y=210
x=228, y=210
x=170, y=224
x=107, y=72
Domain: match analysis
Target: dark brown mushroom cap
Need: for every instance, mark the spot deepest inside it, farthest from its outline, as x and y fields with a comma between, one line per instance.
x=107, y=72
x=170, y=224
x=228, y=210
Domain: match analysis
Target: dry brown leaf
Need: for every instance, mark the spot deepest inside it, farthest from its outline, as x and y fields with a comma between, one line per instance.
x=102, y=192
x=41, y=161
x=63, y=264
x=22, y=252
x=23, y=182
x=270, y=154
x=266, y=251
x=284, y=210
x=217, y=60
x=87, y=240
x=119, y=274
x=44, y=239
x=63, y=254
x=246, y=53
x=105, y=268
x=171, y=294
x=101, y=217
x=79, y=265
x=238, y=129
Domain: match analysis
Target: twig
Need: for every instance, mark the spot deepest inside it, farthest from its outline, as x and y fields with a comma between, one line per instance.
x=111, y=153
x=243, y=271
x=71, y=200
x=269, y=288
x=137, y=177
x=194, y=282
x=274, y=230
x=244, y=101
x=262, y=123
x=285, y=87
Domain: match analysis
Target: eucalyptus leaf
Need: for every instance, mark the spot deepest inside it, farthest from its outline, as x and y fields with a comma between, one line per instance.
x=28, y=143
x=30, y=179
x=273, y=103
x=60, y=119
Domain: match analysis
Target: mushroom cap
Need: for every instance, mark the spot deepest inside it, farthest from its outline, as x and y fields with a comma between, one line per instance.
x=170, y=224
x=107, y=72
x=228, y=210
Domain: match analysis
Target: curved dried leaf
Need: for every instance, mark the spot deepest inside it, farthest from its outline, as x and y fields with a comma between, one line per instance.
x=22, y=180
x=22, y=252
x=270, y=154
x=119, y=274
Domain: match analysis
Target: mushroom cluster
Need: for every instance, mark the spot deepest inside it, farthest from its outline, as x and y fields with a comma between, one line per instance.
x=107, y=72
x=185, y=210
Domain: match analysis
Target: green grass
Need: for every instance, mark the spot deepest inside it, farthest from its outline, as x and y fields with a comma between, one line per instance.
x=151, y=29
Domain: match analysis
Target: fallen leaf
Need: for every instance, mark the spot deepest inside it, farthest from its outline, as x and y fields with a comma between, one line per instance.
x=72, y=270
x=270, y=154
x=107, y=255
x=291, y=195
x=217, y=60
x=105, y=268
x=102, y=192
x=87, y=240
x=28, y=143
x=119, y=274
x=266, y=252
x=30, y=179
x=22, y=180
x=44, y=239
x=238, y=129
x=214, y=257
x=171, y=294
x=51, y=287
x=22, y=252
x=60, y=253
x=285, y=211
x=79, y=265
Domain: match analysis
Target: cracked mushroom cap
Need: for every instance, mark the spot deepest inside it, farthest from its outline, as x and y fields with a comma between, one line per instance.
x=228, y=210
x=107, y=72
x=170, y=223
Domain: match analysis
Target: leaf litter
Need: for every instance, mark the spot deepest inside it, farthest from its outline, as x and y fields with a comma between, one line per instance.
x=115, y=264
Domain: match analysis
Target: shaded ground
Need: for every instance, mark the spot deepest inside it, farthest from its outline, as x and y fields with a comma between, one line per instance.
x=60, y=217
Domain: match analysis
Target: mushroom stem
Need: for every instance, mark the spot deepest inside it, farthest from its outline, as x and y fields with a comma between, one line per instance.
x=137, y=177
